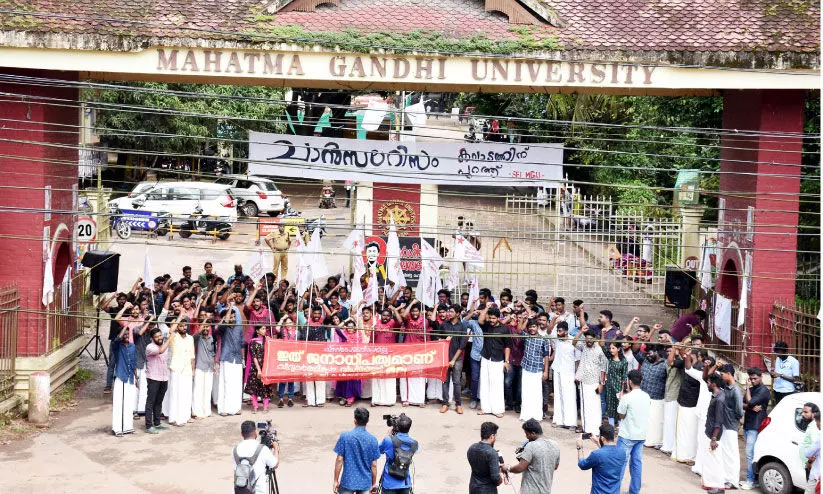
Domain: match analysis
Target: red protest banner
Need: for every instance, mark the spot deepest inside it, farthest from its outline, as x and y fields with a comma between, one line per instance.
x=327, y=361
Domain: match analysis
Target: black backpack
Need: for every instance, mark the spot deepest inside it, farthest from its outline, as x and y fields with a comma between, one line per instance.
x=400, y=465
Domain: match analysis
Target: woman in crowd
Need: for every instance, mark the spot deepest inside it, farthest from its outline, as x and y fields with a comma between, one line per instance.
x=254, y=370
x=615, y=380
x=347, y=391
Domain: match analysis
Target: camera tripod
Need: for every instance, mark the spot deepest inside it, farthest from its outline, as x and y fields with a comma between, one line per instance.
x=272, y=475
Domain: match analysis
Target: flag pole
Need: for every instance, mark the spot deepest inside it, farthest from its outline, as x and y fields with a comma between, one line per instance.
x=268, y=294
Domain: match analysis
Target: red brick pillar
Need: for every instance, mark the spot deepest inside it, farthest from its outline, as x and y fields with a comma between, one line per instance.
x=27, y=120
x=766, y=178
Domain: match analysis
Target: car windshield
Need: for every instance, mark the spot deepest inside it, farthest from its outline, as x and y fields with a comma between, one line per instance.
x=224, y=181
x=268, y=186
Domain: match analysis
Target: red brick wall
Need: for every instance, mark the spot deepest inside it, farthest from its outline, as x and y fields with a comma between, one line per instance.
x=774, y=239
x=33, y=166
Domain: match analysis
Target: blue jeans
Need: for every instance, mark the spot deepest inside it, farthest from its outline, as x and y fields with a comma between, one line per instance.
x=751, y=437
x=512, y=385
x=634, y=457
x=475, y=379
x=281, y=390
x=110, y=369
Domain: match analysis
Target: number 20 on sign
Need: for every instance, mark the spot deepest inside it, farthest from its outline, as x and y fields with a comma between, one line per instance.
x=86, y=229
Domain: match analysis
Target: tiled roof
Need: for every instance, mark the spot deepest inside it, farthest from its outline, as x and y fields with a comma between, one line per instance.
x=601, y=25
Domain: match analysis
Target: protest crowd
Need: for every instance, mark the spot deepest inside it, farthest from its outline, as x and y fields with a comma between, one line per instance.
x=183, y=347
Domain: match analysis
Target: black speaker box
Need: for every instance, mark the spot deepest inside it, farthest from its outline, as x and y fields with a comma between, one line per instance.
x=105, y=267
x=679, y=286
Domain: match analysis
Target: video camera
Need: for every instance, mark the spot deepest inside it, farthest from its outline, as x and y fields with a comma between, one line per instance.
x=268, y=436
x=391, y=421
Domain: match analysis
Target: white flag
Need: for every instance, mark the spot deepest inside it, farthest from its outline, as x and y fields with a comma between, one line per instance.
x=317, y=261
x=148, y=277
x=48, y=283
x=744, y=292
x=474, y=290
x=431, y=259
x=371, y=290
x=373, y=115
x=355, y=241
x=464, y=251
x=257, y=265
x=356, y=291
x=394, y=270
x=302, y=278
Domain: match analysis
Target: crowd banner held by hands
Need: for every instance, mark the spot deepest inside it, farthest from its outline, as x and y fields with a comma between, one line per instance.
x=328, y=361
x=402, y=163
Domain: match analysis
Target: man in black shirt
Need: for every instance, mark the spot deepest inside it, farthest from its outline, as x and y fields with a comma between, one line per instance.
x=485, y=462
x=712, y=466
x=755, y=404
x=114, y=330
x=457, y=345
x=494, y=362
x=685, y=449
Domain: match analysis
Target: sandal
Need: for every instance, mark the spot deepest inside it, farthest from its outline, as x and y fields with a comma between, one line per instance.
x=342, y=402
x=280, y=403
x=290, y=403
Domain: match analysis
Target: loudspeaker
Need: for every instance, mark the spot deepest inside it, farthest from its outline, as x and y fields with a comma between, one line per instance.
x=105, y=267
x=679, y=286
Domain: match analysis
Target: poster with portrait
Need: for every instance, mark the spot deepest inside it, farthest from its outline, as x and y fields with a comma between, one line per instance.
x=374, y=257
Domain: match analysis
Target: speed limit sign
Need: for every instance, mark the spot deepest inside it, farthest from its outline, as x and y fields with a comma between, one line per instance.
x=86, y=229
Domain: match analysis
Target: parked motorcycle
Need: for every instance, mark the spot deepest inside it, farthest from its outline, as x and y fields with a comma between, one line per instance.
x=310, y=223
x=206, y=225
x=327, y=198
x=125, y=221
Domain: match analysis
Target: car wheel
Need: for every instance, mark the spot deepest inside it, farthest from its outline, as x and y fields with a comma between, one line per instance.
x=775, y=479
x=250, y=209
x=274, y=213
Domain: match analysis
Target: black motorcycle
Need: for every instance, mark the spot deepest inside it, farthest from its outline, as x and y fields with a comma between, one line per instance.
x=200, y=224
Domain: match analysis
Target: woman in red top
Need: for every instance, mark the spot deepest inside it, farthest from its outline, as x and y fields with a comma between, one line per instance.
x=384, y=391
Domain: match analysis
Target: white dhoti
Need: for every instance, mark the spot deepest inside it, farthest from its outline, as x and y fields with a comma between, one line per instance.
x=413, y=390
x=230, y=388
x=365, y=387
x=201, y=396
x=669, y=425
x=712, y=468
x=215, y=386
x=701, y=440
x=492, y=377
x=383, y=391
x=730, y=451
x=685, y=442
x=531, y=395
x=122, y=412
x=434, y=389
x=167, y=400
x=565, y=405
x=180, y=388
x=654, y=431
x=142, y=391
x=315, y=393
x=590, y=408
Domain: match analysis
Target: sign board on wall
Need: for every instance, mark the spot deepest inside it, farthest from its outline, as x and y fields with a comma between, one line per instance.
x=452, y=163
x=398, y=201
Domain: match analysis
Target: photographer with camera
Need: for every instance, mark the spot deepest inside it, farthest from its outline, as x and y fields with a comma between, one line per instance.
x=399, y=449
x=487, y=465
x=253, y=459
x=539, y=458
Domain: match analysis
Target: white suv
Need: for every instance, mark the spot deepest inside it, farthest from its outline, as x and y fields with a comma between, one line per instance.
x=777, y=450
x=254, y=194
x=180, y=199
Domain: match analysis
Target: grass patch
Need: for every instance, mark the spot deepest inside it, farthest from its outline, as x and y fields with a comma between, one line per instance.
x=64, y=396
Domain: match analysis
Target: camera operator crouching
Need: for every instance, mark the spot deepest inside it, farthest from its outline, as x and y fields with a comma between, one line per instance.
x=253, y=458
x=399, y=449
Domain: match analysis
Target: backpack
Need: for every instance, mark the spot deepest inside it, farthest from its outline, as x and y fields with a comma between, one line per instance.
x=244, y=480
x=400, y=465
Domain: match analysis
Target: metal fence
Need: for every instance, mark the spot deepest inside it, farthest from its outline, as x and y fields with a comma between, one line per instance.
x=799, y=327
x=583, y=248
x=9, y=308
x=64, y=321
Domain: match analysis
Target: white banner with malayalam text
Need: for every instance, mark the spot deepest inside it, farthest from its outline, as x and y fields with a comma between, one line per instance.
x=452, y=163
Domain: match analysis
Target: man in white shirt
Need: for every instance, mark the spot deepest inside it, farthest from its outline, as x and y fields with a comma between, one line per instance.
x=248, y=448
x=565, y=399
x=633, y=411
x=786, y=371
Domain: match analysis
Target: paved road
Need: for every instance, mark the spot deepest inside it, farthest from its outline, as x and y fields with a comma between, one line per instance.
x=79, y=454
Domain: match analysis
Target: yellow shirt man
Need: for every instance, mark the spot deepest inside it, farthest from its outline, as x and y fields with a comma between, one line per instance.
x=279, y=242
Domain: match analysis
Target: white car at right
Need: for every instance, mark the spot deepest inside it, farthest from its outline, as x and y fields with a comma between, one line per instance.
x=777, y=462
